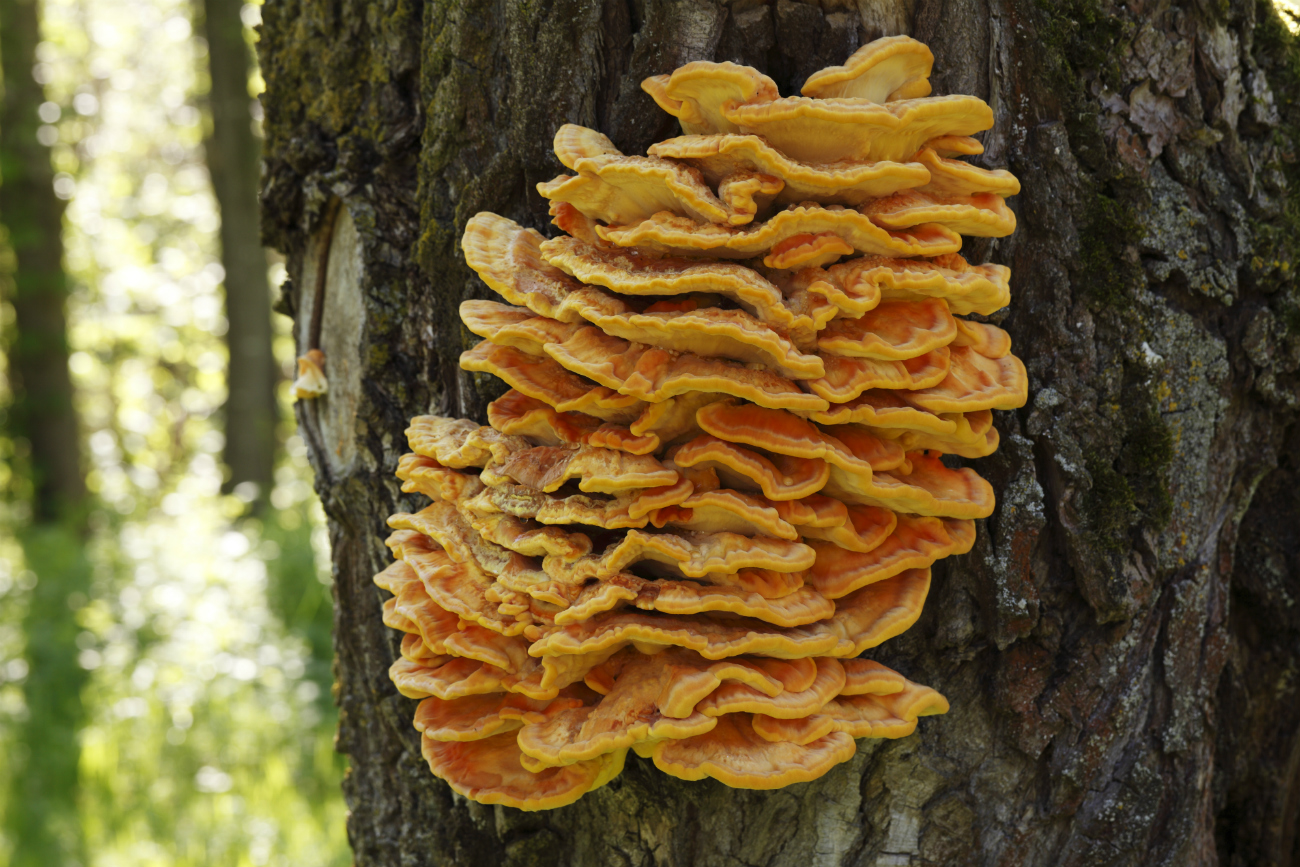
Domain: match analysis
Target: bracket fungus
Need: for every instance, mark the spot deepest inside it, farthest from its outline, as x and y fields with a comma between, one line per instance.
x=719, y=475
x=311, y=376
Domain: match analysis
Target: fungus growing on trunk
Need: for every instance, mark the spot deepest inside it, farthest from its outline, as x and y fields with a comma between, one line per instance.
x=893, y=68
x=311, y=376
x=719, y=474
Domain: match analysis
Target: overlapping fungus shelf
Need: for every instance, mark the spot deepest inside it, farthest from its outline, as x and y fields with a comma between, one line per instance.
x=716, y=479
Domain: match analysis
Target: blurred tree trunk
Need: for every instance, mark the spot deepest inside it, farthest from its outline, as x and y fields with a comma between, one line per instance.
x=42, y=411
x=42, y=819
x=1119, y=649
x=233, y=154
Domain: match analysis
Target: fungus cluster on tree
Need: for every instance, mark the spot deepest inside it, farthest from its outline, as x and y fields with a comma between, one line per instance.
x=717, y=478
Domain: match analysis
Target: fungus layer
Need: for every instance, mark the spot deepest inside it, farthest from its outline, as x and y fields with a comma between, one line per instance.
x=681, y=236
x=619, y=189
x=896, y=67
x=719, y=474
x=726, y=98
x=844, y=182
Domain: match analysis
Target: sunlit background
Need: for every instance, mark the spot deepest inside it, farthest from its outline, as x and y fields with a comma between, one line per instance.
x=1290, y=10
x=204, y=634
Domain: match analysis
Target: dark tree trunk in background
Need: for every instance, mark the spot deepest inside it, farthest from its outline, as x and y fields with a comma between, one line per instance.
x=1121, y=647
x=42, y=413
x=233, y=155
x=41, y=820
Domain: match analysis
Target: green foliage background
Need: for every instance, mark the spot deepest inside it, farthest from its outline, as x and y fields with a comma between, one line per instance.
x=203, y=635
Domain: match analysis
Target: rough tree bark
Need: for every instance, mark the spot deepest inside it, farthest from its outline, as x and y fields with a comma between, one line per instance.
x=232, y=156
x=1120, y=648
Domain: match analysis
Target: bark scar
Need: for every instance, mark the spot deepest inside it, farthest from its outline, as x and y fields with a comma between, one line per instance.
x=322, y=272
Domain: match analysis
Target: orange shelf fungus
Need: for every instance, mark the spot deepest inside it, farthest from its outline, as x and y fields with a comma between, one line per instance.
x=622, y=189
x=844, y=182
x=740, y=384
x=889, y=69
x=311, y=381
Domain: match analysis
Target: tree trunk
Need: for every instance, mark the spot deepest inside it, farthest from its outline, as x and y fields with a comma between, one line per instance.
x=41, y=819
x=232, y=156
x=1120, y=647
x=41, y=415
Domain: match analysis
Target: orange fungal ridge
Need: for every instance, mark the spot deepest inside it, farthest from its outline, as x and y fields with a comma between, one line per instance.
x=742, y=385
